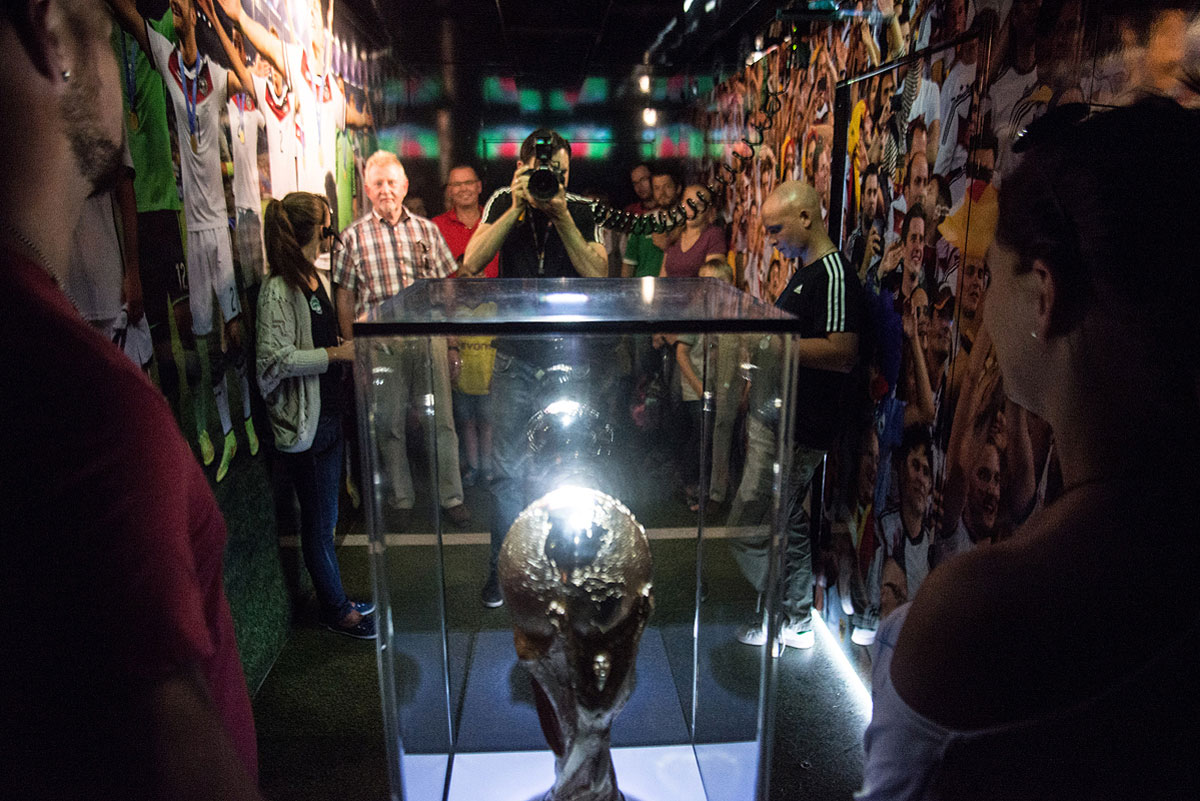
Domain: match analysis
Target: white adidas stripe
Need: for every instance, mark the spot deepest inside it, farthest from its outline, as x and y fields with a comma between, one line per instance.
x=835, y=310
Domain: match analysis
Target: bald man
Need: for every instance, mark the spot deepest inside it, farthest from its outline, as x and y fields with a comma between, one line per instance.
x=827, y=297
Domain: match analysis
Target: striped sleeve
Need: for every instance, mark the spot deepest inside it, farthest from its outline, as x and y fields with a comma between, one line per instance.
x=496, y=205
x=836, y=298
x=585, y=220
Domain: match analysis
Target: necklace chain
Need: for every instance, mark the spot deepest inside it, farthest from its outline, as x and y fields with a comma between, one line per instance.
x=38, y=257
x=33, y=249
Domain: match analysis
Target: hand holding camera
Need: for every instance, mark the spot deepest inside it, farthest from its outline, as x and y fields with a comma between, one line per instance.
x=520, y=188
x=545, y=181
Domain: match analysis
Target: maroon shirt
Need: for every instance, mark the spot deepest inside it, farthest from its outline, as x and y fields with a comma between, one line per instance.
x=112, y=555
x=457, y=235
x=680, y=263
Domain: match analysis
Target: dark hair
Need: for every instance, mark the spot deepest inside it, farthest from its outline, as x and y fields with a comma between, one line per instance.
x=659, y=171
x=916, y=125
x=871, y=169
x=913, y=213
x=986, y=140
x=557, y=142
x=944, y=197
x=462, y=166
x=288, y=225
x=1106, y=205
x=914, y=436
x=908, y=165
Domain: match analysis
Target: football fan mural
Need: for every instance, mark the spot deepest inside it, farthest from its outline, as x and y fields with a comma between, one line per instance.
x=937, y=460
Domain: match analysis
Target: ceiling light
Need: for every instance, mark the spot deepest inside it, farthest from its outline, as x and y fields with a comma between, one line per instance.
x=644, y=84
x=649, y=117
x=710, y=6
x=687, y=5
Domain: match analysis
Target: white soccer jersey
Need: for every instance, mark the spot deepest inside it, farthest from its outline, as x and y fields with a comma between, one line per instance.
x=245, y=118
x=321, y=112
x=206, y=83
x=279, y=112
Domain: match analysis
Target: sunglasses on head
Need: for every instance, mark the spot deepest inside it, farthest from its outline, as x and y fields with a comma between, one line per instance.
x=1054, y=123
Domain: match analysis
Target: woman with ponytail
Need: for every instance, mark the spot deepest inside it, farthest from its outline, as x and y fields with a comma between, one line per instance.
x=299, y=372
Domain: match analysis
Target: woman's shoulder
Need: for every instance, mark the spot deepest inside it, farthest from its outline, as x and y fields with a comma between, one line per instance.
x=278, y=296
x=962, y=638
x=277, y=288
x=1007, y=631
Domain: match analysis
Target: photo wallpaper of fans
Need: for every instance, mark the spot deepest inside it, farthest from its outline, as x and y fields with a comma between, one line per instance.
x=937, y=461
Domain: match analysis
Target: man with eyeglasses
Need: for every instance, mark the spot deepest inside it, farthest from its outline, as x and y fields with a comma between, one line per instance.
x=460, y=221
x=381, y=254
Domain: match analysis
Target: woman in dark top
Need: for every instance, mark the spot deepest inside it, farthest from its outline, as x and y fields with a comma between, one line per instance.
x=1062, y=662
x=299, y=372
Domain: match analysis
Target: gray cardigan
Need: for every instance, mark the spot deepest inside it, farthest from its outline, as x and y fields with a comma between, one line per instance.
x=288, y=365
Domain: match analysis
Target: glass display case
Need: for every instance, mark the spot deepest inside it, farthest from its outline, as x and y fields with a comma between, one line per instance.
x=575, y=636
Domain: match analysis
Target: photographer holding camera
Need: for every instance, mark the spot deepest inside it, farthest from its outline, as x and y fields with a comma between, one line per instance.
x=537, y=227
x=539, y=231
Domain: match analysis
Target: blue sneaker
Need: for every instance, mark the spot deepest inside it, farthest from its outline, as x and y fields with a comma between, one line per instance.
x=363, y=630
x=363, y=607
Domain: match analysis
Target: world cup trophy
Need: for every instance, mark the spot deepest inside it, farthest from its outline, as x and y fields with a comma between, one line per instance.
x=575, y=570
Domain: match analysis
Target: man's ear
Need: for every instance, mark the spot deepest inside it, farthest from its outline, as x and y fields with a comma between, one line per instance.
x=805, y=218
x=33, y=21
x=1044, y=286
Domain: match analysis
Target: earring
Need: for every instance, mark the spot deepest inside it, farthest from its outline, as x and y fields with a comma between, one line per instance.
x=66, y=75
x=1033, y=334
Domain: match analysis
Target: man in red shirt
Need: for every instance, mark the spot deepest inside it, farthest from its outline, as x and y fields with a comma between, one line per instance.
x=134, y=689
x=462, y=219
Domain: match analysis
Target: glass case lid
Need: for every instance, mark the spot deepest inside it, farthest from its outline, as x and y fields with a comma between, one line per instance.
x=572, y=305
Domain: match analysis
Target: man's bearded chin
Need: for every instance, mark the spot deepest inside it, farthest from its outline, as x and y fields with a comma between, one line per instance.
x=99, y=157
x=387, y=208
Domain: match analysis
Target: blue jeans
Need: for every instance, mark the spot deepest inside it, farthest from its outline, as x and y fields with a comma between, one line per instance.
x=516, y=389
x=315, y=474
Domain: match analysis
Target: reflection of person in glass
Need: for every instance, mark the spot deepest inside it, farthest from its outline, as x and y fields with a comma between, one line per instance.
x=555, y=237
x=1071, y=649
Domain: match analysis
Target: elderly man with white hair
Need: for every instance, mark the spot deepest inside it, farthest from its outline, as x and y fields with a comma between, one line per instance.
x=381, y=254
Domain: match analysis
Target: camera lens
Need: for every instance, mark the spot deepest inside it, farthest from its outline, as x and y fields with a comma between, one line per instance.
x=543, y=184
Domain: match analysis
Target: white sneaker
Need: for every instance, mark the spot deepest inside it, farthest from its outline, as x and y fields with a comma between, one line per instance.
x=755, y=634
x=862, y=637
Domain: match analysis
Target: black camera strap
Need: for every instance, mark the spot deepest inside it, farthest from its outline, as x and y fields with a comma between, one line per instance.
x=539, y=246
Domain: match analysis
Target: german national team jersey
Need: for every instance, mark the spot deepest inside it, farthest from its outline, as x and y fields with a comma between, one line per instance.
x=197, y=94
x=146, y=121
x=828, y=298
x=321, y=112
x=279, y=113
x=245, y=118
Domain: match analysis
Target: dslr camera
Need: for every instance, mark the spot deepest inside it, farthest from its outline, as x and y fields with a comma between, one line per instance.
x=544, y=179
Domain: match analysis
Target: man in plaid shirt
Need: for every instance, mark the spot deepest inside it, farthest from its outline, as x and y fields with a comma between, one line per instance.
x=381, y=254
